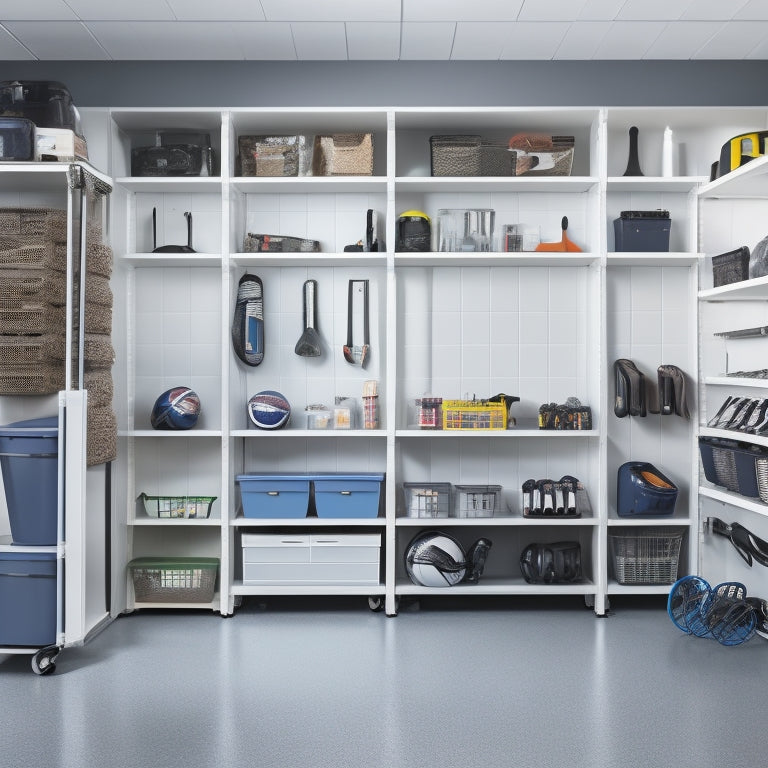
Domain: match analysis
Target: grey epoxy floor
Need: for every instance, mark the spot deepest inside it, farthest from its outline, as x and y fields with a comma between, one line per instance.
x=449, y=684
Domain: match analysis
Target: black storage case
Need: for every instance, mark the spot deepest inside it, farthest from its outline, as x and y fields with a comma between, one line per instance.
x=46, y=103
x=645, y=231
x=17, y=138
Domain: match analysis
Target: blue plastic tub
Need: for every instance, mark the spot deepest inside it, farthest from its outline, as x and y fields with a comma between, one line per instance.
x=274, y=496
x=348, y=496
x=28, y=598
x=29, y=463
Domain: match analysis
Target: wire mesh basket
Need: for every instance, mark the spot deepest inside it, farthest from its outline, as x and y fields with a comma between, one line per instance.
x=174, y=579
x=477, y=500
x=474, y=414
x=645, y=556
x=428, y=499
x=177, y=507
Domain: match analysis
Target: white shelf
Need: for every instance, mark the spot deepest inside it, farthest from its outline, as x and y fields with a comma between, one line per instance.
x=735, y=381
x=309, y=184
x=169, y=184
x=654, y=183
x=316, y=260
x=614, y=588
x=290, y=434
x=520, y=184
x=748, y=181
x=169, y=434
x=153, y=522
x=734, y=499
x=525, y=259
x=666, y=259
x=500, y=521
x=307, y=522
x=732, y=434
x=498, y=434
x=746, y=290
x=497, y=586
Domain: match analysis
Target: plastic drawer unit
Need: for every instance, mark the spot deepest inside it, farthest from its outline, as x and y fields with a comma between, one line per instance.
x=27, y=598
x=311, y=559
x=348, y=496
x=274, y=496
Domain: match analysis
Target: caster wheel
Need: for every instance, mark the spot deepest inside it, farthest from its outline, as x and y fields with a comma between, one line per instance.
x=44, y=661
x=376, y=603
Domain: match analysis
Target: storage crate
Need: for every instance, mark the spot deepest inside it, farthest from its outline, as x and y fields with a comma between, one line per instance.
x=477, y=500
x=428, y=499
x=469, y=155
x=730, y=464
x=177, y=507
x=730, y=267
x=174, y=579
x=258, y=243
x=343, y=154
x=28, y=598
x=347, y=496
x=645, y=555
x=474, y=414
x=274, y=496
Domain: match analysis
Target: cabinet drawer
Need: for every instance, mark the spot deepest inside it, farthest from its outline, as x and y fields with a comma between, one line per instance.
x=310, y=573
x=275, y=548
x=346, y=548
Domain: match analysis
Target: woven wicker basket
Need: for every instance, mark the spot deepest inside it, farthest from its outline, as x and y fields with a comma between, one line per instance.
x=34, y=224
x=100, y=388
x=343, y=154
x=101, y=445
x=20, y=288
x=40, y=379
x=15, y=255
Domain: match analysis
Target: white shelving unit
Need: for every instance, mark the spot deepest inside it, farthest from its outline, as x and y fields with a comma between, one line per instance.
x=81, y=551
x=540, y=326
x=732, y=209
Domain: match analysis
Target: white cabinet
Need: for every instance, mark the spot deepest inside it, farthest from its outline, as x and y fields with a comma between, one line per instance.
x=539, y=326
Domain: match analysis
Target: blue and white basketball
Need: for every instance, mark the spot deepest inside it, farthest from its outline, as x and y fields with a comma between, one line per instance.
x=176, y=408
x=269, y=410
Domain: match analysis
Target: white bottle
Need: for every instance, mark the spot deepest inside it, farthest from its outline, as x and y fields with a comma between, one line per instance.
x=667, y=153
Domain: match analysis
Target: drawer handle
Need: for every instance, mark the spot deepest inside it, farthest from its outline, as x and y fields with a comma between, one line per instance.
x=345, y=493
x=273, y=493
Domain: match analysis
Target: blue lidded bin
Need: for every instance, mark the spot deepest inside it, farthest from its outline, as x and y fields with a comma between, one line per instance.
x=28, y=598
x=29, y=463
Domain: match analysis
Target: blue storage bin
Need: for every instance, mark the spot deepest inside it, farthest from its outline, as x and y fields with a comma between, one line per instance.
x=29, y=463
x=348, y=496
x=28, y=598
x=274, y=496
x=644, y=490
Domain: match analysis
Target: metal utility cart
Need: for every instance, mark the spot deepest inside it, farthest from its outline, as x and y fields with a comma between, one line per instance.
x=81, y=593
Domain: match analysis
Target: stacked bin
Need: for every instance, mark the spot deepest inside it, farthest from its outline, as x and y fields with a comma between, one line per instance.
x=29, y=464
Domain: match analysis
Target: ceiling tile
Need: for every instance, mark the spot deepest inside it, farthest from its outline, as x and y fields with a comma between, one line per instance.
x=629, y=40
x=681, y=40
x=600, y=10
x=461, y=10
x=582, y=39
x=373, y=40
x=753, y=10
x=132, y=10
x=221, y=10
x=534, y=40
x=712, y=10
x=734, y=40
x=45, y=10
x=331, y=10
x=62, y=40
x=421, y=40
x=320, y=41
x=551, y=10
x=652, y=10
x=480, y=40
x=166, y=40
x=264, y=41
x=11, y=49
